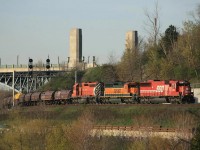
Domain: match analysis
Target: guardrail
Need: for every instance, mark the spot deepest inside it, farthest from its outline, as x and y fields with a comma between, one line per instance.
x=134, y=128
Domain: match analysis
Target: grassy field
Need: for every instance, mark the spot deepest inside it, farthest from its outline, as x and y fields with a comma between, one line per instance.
x=67, y=127
x=155, y=115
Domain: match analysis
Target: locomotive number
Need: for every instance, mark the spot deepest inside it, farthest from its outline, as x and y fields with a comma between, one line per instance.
x=117, y=90
x=160, y=88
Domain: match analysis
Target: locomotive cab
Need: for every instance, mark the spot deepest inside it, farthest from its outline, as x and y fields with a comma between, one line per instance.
x=184, y=87
x=185, y=92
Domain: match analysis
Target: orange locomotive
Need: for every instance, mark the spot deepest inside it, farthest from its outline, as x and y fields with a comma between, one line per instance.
x=127, y=92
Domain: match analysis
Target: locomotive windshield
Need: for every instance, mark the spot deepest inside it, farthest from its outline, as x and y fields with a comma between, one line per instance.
x=145, y=84
x=132, y=85
x=92, y=85
x=183, y=83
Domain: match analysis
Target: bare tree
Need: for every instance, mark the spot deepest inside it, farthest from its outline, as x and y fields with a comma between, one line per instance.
x=112, y=58
x=152, y=25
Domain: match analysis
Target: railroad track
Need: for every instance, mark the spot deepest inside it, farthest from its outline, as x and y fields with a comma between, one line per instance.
x=121, y=105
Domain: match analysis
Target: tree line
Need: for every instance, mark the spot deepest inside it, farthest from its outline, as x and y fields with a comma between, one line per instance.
x=174, y=54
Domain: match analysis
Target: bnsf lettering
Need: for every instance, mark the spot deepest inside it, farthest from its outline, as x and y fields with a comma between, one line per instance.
x=160, y=88
x=117, y=90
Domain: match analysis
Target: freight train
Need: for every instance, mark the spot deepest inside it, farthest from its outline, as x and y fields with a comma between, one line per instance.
x=152, y=91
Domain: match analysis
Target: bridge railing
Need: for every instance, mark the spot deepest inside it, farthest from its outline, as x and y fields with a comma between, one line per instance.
x=36, y=67
x=26, y=66
x=14, y=66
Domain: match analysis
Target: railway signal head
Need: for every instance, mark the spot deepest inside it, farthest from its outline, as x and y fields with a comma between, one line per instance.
x=30, y=63
x=48, y=63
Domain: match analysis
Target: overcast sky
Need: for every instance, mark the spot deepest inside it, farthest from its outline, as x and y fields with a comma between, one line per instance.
x=38, y=28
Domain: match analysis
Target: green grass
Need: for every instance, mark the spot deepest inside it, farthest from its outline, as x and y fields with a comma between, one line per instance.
x=67, y=126
x=164, y=116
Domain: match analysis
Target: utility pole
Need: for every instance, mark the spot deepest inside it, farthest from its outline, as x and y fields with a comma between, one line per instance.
x=88, y=59
x=17, y=60
x=76, y=76
x=68, y=59
x=13, y=86
x=58, y=63
x=155, y=30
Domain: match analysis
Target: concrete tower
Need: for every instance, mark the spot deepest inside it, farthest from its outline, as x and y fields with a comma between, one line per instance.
x=131, y=39
x=75, y=45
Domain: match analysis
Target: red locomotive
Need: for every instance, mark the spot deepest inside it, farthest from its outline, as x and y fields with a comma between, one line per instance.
x=170, y=91
x=88, y=92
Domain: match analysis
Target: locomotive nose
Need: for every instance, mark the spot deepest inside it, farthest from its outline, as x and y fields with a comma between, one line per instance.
x=187, y=90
